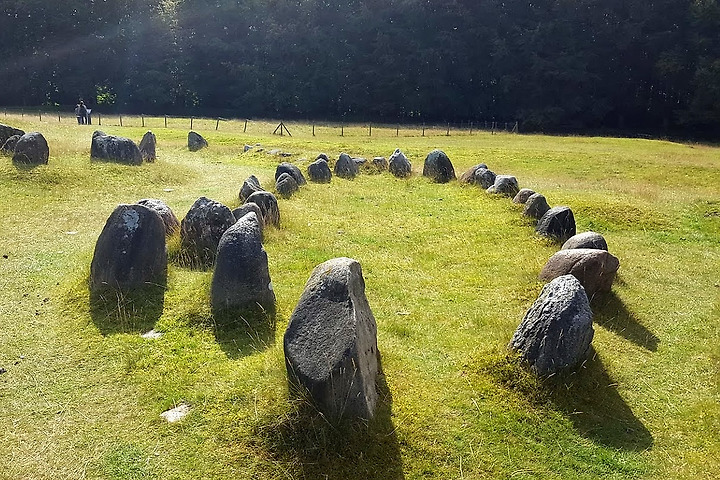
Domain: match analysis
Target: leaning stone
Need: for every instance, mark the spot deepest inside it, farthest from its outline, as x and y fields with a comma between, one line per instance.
x=250, y=186
x=557, y=330
x=130, y=252
x=286, y=185
x=6, y=131
x=506, y=185
x=8, y=148
x=399, y=165
x=166, y=214
x=380, y=163
x=469, y=175
x=595, y=269
x=557, y=223
x=241, y=280
x=523, y=195
x=291, y=170
x=331, y=342
x=485, y=178
x=147, y=147
x=536, y=206
x=268, y=206
x=246, y=208
x=202, y=228
x=196, y=142
x=319, y=171
x=116, y=149
x=345, y=167
x=31, y=149
x=586, y=240
x=438, y=167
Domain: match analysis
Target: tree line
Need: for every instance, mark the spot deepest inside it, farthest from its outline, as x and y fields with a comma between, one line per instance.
x=553, y=65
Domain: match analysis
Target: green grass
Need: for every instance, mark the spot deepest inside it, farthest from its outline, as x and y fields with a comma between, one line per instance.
x=449, y=271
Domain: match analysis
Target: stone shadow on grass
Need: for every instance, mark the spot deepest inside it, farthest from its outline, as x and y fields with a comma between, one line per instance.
x=242, y=333
x=611, y=313
x=125, y=311
x=308, y=444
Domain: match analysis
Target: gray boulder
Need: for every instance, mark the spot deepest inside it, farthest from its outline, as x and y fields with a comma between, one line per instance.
x=202, y=228
x=116, y=149
x=291, y=170
x=246, y=208
x=250, y=186
x=557, y=223
x=331, y=342
x=536, y=206
x=166, y=214
x=595, y=269
x=323, y=156
x=31, y=149
x=523, y=195
x=286, y=185
x=345, y=167
x=557, y=330
x=469, y=176
x=147, y=147
x=268, y=206
x=399, y=165
x=8, y=148
x=130, y=252
x=506, y=185
x=196, y=142
x=380, y=163
x=6, y=131
x=586, y=240
x=484, y=178
x=319, y=171
x=438, y=167
x=241, y=280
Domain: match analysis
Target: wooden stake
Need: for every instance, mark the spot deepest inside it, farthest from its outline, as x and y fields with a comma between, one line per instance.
x=217, y=124
x=121, y=120
x=245, y=127
x=165, y=121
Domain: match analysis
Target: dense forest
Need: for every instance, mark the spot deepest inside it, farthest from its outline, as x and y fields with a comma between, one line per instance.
x=553, y=65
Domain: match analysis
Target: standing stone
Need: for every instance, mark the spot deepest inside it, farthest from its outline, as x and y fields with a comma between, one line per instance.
x=147, y=147
x=268, y=206
x=523, y=195
x=130, y=251
x=202, y=228
x=31, y=149
x=380, y=163
x=241, y=280
x=246, y=208
x=506, y=185
x=586, y=240
x=117, y=149
x=557, y=223
x=8, y=148
x=331, y=342
x=166, y=214
x=399, y=165
x=250, y=186
x=345, y=167
x=286, y=185
x=438, y=167
x=557, y=330
x=6, y=131
x=485, y=178
x=595, y=269
x=196, y=142
x=536, y=206
x=291, y=170
x=469, y=175
x=319, y=171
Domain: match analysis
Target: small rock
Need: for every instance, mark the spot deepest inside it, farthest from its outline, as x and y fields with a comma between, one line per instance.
x=286, y=185
x=399, y=165
x=586, y=240
x=536, y=206
x=345, y=167
x=152, y=335
x=291, y=170
x=247, y=148
x=485, y=178
x=319, y=171
x=469, y=176
x=506, y=185
x=166, y=214
x=323, y=156
x=250, y=186
x=557, y=223
x=523, y=195
x=2, y=370
x=380, y=163
x=176, y=414
x=268, y=206
x=594, y=268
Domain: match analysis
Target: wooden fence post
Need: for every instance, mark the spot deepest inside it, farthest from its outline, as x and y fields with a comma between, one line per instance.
x=342, y=130
x=423, y=134
x=143, y=120
x=217, y=124
x=121, y=120
x=245, y=127
x=191, y=123
x=397, y=131
x=313, y=129
x=40, y=113
x=165, y=121
x=370, y=132
x=447, y=134
x=99, y=119
x=471, y=127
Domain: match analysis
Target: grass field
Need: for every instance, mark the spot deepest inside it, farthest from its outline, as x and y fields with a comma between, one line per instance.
x=449, y=271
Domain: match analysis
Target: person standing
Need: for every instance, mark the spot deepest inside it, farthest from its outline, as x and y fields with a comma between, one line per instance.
x=83, y=113
x=77, y=114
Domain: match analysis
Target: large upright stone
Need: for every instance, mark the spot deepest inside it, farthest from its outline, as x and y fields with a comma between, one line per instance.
x=557, y=223
x=557, y=330
x=586, y=240
x=291, y=170
x=286, y=185
x=331, y=342
x=268, y=206
x=8, y=148
x=469, y=175
x=6, y=131
x=202, y=228
x=438, y=167
x=399, y=165
x=319, y=171
x=250, y=186
x=116, y=149
x=166, y=214
x=346, y=167
x=594, y=268
x=536, y=206
x=506, y=185
x=130, y=252
x=196, y=142
x=31, y=149
x=147, y=147
x=241, y=280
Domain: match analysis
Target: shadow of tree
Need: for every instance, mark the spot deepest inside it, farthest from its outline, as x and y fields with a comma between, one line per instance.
x=305, y=441
x=243, y=333
x=123, y=311
x=612, y=313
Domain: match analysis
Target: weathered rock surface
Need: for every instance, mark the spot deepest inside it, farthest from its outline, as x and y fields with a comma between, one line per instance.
x=116, y=149
x=399, y=165
x=31, y=149
x=196, y=142
x=536, y=206
x=331, y=342
x=130, y=252
x=319, y=171
x=557, y=330
x=595, y=269
x=241, y=279
x=586, y=240
x=166, y=214
x=323, y=156
x=246, y=208
x=202, y=228
x=147, y=147
x=291, y=170
x=345, y=167
x=506, y=185
x=380, y=163
x=6, y=131
x=438, y=167
x=250, y=186
x=469, y=175
x=8, y=148
x=523, y=195
x=485, y=178
x=268, y=206
x=557, y=223
x=286, y=185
